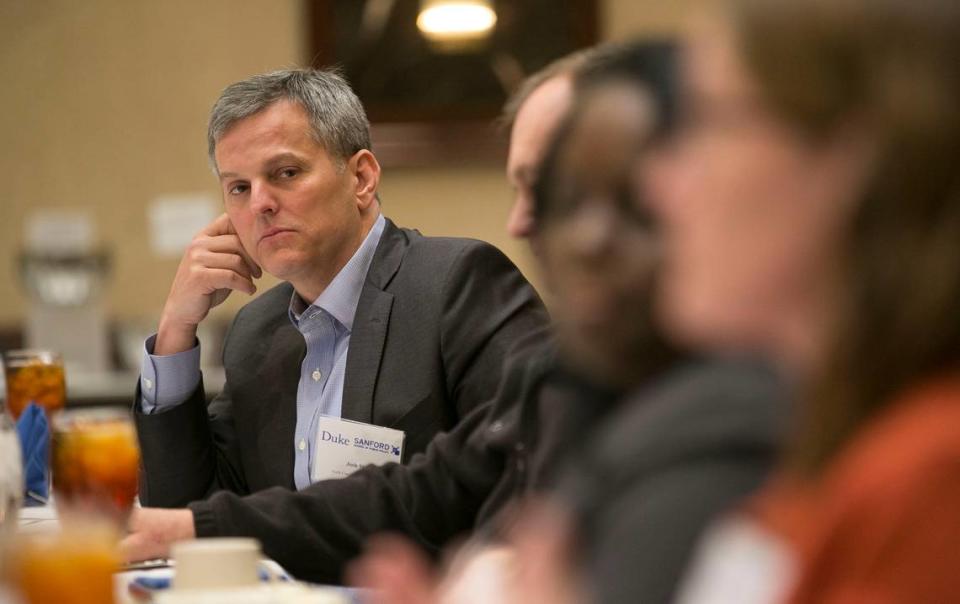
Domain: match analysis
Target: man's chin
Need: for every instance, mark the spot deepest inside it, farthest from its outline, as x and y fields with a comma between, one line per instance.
x=282, y=269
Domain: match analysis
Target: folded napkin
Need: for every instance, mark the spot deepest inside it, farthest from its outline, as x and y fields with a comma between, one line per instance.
x=34, y=436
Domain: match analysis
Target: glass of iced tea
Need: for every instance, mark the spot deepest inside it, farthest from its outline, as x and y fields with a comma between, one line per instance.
x=72, y=566
x=95, y=463
x=34, y=375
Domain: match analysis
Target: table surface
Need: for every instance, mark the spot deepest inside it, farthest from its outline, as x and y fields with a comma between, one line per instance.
x=41, y=519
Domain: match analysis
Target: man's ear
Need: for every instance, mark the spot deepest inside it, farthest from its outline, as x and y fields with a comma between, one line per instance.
x=366, y=169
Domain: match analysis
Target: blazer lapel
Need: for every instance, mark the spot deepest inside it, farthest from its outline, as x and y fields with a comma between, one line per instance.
x=283, y=358
x=370, y=326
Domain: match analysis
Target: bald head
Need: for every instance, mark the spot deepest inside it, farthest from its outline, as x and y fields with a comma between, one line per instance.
x=536, y=119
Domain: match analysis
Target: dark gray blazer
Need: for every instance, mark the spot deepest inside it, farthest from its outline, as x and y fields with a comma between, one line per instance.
x=434, y=321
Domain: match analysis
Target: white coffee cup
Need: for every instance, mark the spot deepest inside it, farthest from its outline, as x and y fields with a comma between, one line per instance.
x=273, y=593
x=216, y=563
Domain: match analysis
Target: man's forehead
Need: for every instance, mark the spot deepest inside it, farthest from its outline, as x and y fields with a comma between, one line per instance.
x=280, y=130
x=546, y=105
x=536, y=120
x=615, y=119
x=282, y=118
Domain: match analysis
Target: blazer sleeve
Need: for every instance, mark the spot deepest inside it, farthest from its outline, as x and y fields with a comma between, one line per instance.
x=188, y=451
x=313, y=533
x=488, y=308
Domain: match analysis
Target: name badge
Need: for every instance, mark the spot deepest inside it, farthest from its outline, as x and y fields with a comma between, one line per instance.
x=345, y=446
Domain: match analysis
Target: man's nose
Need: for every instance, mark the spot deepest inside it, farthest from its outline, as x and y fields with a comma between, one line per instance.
x=262, y=198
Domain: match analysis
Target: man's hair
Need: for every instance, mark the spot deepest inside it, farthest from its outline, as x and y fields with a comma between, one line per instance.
x=337, y=119
x=571, y=65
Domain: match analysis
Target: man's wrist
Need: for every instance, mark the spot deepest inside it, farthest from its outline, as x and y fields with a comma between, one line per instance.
x=185, y=526
x=167, y=380
x=173, y=338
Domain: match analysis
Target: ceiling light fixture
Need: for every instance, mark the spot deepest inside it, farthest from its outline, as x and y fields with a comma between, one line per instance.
x=456, y=23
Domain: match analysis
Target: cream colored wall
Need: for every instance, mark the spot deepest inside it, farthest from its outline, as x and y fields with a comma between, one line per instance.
x=104, y=107
x=105, y=104
x=625, y=19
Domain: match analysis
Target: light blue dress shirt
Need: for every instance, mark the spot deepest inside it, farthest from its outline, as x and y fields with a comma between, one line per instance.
x=326, y=324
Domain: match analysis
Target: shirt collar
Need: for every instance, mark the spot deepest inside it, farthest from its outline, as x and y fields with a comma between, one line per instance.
x=340, y=298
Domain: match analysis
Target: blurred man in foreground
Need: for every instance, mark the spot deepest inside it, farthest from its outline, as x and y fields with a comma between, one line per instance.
x=694, y=438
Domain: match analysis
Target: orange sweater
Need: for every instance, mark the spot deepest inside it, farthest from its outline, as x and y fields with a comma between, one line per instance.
x=882, y=525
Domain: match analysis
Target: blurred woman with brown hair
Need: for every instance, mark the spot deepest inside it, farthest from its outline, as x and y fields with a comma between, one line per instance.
x=812, y=210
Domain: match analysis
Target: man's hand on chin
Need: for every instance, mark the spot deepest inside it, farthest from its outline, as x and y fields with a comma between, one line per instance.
x=154, y=530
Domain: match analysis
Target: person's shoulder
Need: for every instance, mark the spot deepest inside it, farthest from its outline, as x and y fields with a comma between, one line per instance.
x=525, y=366
x=533, y=354
x=911, y=446
x=449, y=262
x=702, y=407
x=452, y=249
x=437, y=248
x=718, y=385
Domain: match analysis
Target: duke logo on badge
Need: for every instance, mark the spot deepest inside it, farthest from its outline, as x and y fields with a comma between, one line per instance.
x=344, y=446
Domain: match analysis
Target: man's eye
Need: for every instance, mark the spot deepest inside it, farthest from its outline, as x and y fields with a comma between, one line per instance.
x=287, y=173
x=238, y=189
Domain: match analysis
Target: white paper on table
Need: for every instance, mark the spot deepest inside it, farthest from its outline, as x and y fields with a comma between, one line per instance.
x=41, y=518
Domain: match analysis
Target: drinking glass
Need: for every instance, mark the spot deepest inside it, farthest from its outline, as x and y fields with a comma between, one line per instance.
x=11, y=477
x=71, y=566
x=95, y=462
x=34, y=375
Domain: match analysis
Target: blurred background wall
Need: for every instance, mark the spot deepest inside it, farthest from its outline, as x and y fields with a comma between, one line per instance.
x=104, y=109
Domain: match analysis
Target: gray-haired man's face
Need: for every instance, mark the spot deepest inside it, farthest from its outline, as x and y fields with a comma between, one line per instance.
x=295, y=210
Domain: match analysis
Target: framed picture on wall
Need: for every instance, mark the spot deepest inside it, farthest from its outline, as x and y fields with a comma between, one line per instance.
x=431, y=103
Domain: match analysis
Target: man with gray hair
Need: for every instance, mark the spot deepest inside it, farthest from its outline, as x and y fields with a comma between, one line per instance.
x=373, y=323
x=466, y=478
